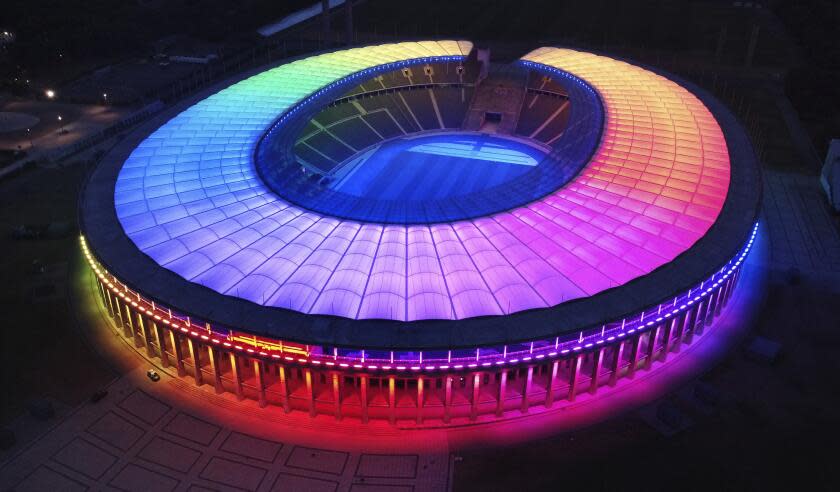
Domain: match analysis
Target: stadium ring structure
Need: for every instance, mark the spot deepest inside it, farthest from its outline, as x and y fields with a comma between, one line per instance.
x=221, y=249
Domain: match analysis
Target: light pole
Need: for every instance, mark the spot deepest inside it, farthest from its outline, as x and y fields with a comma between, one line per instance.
x=50, y=93
x=62, y=131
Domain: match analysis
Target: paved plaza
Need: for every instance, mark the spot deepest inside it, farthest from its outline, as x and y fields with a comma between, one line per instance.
x=172, y=435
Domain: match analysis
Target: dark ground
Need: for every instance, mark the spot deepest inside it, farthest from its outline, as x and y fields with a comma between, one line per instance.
x=42, y=352
x=774, y=430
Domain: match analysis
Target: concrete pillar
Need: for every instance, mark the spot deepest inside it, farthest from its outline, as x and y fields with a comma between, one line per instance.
x=447, y=400
x=336, y=387
x=549, y=389
x=615, y=365
x=194, y=348
x=476, y=393
x=136, y=322
x=121, y=317
x=679, y=330
x=392, y=399
x=710, y=309
x=574, y=376
x=666, y=337
x=161, y=340
x=635, y=344
x=259, y=379
x=724, y=298
x=363, y=398
x=690, y=322
x=653, y=334
x=117, y=309
x=727, y=291
x=718, y=301
x=236, y=372
x=175, y=340
x=102, y=292
x=284, y=388
x=595, y=375
x=419, y=400
x=128, y=322
x=310, y=391
x=109, y=301
x=526, y=390
x=500, y=399
x=701, y=315
x=732, y=281
x=721, y=298
x=144, y=332
x=216, y=366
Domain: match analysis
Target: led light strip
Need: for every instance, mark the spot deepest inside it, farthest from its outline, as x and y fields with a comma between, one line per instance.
x=206, y=335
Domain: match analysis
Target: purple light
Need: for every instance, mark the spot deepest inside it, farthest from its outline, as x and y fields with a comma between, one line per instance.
x=202, y=213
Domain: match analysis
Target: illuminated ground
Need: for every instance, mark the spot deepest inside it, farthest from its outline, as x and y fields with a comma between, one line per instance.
x=146, y=434
x=46, y=134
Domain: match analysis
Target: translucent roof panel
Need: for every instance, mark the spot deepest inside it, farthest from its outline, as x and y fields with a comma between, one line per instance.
x=188, y=197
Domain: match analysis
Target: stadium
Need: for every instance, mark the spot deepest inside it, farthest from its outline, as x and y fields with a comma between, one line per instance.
x=410, y=232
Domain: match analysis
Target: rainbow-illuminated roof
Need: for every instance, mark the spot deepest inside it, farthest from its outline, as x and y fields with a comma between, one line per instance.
x=188, y=197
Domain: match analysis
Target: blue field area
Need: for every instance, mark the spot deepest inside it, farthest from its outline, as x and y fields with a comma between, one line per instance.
x=435, y=166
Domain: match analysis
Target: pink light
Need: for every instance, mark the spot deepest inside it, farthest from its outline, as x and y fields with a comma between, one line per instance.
x=648, y=193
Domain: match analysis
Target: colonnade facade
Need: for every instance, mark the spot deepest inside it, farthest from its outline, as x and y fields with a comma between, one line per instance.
x=416, y=394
